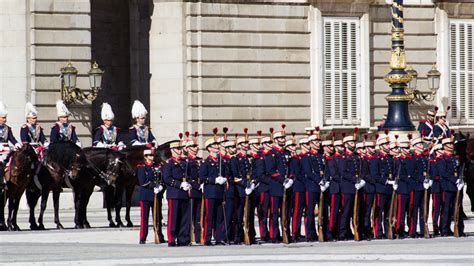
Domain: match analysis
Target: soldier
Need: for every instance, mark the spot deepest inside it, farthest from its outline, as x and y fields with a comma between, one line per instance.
x=441, y=129
x=294, y=172
x=62, y=129
x=175, y=176
x=426, y=126
x=361, y=152
x=369, y=173
x=108, y=135
x=382, y=173
x=194, y=162
x=299, y=190
x=419, y=182
x=211, y=174
x=405, y=166
x=451, y=182
x=148, y=175
x=436, y=199
x=140, y=134
x=276, y=165
x=264, y=188
x=227, y=151
x=329, y=171
x=31, y=132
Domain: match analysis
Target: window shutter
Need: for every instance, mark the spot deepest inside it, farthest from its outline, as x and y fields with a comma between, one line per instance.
x=461, y=76
x=341, y=72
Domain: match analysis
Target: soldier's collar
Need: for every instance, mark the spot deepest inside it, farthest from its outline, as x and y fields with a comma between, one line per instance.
x=190, y=156
x=313, y=152
x=212, y=157
x=277, y=148
x=349, y=152
x=148, y=163
x=175, y=158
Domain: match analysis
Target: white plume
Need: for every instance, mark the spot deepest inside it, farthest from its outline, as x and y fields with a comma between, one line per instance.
x=30, y=110
x=138, y=109
x=3, y=109
x=106, y=112
x=61, y=109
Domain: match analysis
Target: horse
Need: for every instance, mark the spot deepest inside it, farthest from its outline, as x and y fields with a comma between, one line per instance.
x=61, y=165
x=98, y=166
x=17, y=178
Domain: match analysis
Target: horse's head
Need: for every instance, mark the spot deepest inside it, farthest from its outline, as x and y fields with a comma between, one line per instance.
x=23, y=163
x=64, y=159
x=114, y=166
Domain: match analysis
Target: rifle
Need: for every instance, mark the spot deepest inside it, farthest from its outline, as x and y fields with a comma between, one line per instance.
x=393, y=208
x=247, y=240
x=201, y=220
x=426, y=230
x=283, y=214
x=355, y=222
x=457, y=205
x=155, y=210
x=321, y=208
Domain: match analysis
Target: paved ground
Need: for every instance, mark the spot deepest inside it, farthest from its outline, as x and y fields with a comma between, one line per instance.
x=119, y=246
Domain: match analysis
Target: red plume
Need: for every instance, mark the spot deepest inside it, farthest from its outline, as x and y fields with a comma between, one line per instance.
x=215, y=130
x=376, y=136
x=225, y=130
x=283, y=126
x=271, y=130
x=386, y=131
x=293, y=134
x=452, y=131
x=180, y=135
x=366, y=136
x=334, y=134
x=449, y=108
x=436, y=108
x=259, y=132
x=186, y=134
x=246, y=130
x=343, y=134
x=195, y=134
x=317, y=128
x=396, y=136
x=236, y=135
x=410, y=136
x=355, y=130
x=310, y=132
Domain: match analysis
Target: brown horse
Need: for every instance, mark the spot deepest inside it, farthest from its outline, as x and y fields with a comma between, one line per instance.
x=62, y=162
x=18, y=177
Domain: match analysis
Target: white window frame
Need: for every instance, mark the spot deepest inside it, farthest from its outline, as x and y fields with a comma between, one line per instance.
x=317, y=70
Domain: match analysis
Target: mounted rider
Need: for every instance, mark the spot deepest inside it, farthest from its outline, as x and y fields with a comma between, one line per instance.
x=140, y=134
x=62, y=130
x=32, y=133
x=107, y=135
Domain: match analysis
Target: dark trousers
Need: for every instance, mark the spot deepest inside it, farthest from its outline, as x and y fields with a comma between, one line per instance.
x=416, y=212
x=347, y=201
x=264, y=205
x=402, y=203
x=436, y=209
x=367, y=210
x=229, y=218
x=196, y=217
x=275, y=205
x=178, y=221
x=240, y=219
x=335, y=216
x=448, y=211
x=381, y=214
x=145, y=207
x=214, y=220
x=299, y=205
x=309, y=222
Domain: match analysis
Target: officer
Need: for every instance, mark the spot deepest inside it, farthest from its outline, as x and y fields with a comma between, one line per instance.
x=108, y=135
x=441, y=129
x=175, y=177
x=264, y=187
x=436, y=199
x=62, y=129
x=149, y=180
x=419, y=182
x=405, y=166
x=211, y=174
x=299, y=191
x=382, y=172
x=451, y=181
x=140, y=134
x=426, y=126
x=335, y=177
x=194, y=162
x=276, y=165
x=369, y=173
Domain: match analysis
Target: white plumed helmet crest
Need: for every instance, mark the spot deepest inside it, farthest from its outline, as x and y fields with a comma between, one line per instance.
x=138, y=109
x=106, y=112
x=30, y=110
x=3, y=110
x=61, y=109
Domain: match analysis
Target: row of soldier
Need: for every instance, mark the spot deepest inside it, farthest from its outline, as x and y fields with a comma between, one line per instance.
x=362, y=190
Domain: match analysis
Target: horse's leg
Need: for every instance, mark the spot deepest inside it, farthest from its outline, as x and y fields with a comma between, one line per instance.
x=128, y=204
x=3, y=193
x=87, y=193
x=16, y=206
x=56, y=194
x=11, y=205
x=44, y=201
x=32, y=199
x=108, y=197
x=118, y=204
x=77, y=208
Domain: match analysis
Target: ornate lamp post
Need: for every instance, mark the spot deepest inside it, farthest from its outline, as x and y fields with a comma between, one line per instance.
x=70, y=93
x=433, y=84
x=398, y=117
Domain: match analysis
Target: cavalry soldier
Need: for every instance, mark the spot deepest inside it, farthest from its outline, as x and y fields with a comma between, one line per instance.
x=263, y=179
x=370, y=167
x=31, y=132
x=441, y=129
x=451, y=181
x=436, y=199
x=348, y=168
x=150, y=183
x=175, y=176
x=140, y=134
x=62, y=129
x=382, y=173
x=108, y=135
x=276, y=165
x=211, y=174
x=299, y=190
x=194, y=162
x=405, y=166
x=335, y=177
x=418, y=184
x=426, y=126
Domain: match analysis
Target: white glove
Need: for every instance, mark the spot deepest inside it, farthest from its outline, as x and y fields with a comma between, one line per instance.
x=121, y=145
x=357, y=186
x=362, y=183
x=201, y=187
x=426, y=184
x=431, y=182
x=46, y=144
x=248, y=191
x=185, y=186
x=100, y=145
x=391, y=182
x=460, y=186
x=79, y=144
x=252, y=186
x=221, y=180
x=288, y=183
x=158, y=189
x=18, y=146
x=138, y=143
x=395, y=187
x=458, y=181
x=322, y=187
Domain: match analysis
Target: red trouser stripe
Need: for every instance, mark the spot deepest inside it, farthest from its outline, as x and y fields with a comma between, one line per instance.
x=205, y=219
x=331, y=219
x=271, y=217
x=433, y=210
x=399, y=212
x=142, y=219
x=376, y=214
x=412, y=200
x=170, y=220
x=295, y=212
x=260, y=221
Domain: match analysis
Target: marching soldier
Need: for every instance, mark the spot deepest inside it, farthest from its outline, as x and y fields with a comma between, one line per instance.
x=335, y=188
x=150, y=183
x=264, y=188
x=370, y=165
x=194, y=162
x=108, y=135
x=451, y=182
x=406, y=166
x=140, y=134
x=211, y=174
x=175, y=176
x=62, y=129
x=441, y=129
x=426, y=126
x=299, y=191
x=383, y=172
x=436, y=199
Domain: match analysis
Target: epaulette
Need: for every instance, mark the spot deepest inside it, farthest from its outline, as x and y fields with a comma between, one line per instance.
x=140, y=165
x=24, y=126
x=55, y=125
